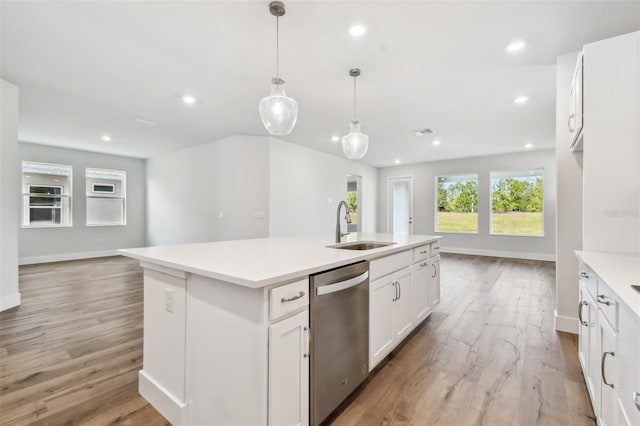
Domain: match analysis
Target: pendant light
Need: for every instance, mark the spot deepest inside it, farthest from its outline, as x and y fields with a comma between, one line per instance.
x=278, y=112
x=355, y=144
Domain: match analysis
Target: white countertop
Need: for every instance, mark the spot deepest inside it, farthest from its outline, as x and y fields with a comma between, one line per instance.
x=619, y=271
x=262, y=262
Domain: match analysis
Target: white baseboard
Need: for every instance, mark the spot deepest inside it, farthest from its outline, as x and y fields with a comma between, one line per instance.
x=66, y=256
x=496, y=253
x=10, y=301
x=566, y=324
x=172, y=409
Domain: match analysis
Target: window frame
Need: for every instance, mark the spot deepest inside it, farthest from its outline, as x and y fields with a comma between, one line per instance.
x=523, y=171
x=108, y=195
x=26, y=196
x=435, y=203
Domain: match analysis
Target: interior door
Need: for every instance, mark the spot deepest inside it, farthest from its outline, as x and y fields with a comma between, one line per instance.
x=401, y=205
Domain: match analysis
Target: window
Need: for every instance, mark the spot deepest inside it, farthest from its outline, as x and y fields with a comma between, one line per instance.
x=457, y=204
x=516, y=203
x=46, y=195
x=106, y=197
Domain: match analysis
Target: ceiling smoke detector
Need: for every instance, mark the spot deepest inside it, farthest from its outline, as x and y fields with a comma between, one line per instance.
x=421, y=132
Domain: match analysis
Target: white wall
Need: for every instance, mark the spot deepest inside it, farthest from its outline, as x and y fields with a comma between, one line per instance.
x=569, y=203
x=213, y=191
x=306, y=187
x=52, y=244
x=483, y=243
x=9, y=194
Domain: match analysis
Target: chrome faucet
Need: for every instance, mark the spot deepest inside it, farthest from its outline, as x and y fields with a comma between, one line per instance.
x=339, y=234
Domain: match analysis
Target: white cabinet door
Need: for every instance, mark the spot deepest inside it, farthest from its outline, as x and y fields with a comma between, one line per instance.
x=420, y=291
x=583, y=331
x=629, y=366
x=609, y=367
x=289, y=371
x=381, y=295
x=434, y=281
x=402, y=323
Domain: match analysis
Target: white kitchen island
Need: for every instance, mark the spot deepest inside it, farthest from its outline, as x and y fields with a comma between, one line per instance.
x=226, y=324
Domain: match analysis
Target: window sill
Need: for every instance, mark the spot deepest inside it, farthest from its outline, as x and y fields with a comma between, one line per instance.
x=102, y=225
x=457, y=233
x=491, y=234
x=45, y=226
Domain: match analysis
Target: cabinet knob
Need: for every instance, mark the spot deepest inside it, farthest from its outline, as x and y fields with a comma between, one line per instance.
x=584, y=275
x=423, y=264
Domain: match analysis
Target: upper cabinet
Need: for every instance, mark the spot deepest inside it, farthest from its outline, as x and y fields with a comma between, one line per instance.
x=575, y=119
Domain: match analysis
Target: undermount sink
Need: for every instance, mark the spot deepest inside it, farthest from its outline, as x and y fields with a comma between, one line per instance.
x=361, y=245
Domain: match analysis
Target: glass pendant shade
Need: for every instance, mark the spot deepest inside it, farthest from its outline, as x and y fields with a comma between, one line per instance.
x=355, y=144
x=278, y=112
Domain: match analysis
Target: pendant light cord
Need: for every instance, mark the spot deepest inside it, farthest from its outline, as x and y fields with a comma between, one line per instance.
x=277, y=47
x=354, y=98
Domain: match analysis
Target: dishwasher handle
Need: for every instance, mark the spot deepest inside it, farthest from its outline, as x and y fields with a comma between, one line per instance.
x=342, y=285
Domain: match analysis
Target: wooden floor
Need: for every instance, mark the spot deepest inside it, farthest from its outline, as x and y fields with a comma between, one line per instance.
x=488, y=355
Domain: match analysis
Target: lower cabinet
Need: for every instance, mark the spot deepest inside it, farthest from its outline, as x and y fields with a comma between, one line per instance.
x=420, y=285
x=434, y=281
x=609, y=353
x=289, y=371
x=389, y=314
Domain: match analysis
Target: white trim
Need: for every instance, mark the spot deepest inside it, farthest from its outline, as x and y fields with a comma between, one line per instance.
x=497, y=253
x=66, y=256
x=566, y=324
x=10, y=301
x=174, y=410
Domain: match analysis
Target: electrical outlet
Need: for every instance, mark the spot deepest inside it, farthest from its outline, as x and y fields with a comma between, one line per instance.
x=168, y=300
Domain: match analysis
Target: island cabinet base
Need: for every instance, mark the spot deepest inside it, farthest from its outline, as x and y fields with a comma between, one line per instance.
x=206, y=350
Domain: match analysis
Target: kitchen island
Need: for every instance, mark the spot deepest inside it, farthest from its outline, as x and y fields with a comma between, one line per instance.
x=226, y=324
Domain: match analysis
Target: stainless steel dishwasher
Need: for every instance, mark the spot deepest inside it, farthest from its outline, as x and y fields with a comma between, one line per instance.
x=340, y=336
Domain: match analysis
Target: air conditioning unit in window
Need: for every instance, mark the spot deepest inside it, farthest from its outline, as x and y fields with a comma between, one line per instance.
x=103, y=188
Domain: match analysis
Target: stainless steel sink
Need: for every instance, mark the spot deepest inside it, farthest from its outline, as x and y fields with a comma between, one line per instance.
x=361, y=245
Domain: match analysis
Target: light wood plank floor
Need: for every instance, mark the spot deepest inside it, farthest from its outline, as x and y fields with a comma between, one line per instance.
x=489, y=355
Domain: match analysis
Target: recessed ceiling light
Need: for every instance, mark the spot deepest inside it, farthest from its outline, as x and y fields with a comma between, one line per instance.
x=188, y=99
x=397, y=161
x=106, y=138
x=335, y=138
x=436, y=142
x=357, y=30
x=528, y=145
x=515, y=45
x=521, y=100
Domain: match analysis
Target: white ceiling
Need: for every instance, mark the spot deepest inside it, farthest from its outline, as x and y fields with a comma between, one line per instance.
x=85, y=68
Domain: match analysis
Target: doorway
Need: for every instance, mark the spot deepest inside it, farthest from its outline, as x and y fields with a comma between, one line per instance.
x=400, y=205
x=354, y=202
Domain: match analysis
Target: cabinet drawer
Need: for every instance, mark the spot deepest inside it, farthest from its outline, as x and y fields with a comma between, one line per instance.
x=288, y=298
x=435, y=248
x=608, y=304
x=386, y=265
x=588, y=278
x=420, y=253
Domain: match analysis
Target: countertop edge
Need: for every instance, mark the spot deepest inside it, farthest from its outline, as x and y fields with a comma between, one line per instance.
x=381, y=252
x=580, y=254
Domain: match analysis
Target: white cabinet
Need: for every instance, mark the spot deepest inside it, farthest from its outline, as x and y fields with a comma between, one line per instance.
x=574, y=121
x=401, y=318
x=434, y=281
x=389, y=314
x=381, y=295
x=289, y=371
x=609, y=351
x=420, y=282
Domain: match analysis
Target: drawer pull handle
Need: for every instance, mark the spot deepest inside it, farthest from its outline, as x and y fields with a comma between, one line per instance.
x=423, y=264
x=580, y=305
x=435, y=271
x=604, y=377
x=423, y=252
x=636, y=399
x=292, y=298
x=603, y=300
x=584, y=275
x=307, y=349
x=436, y=248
